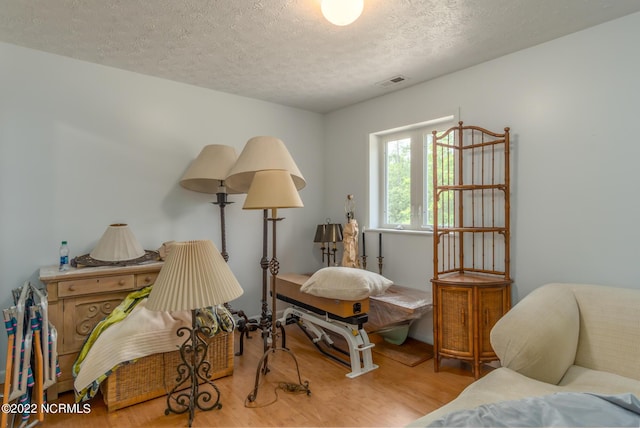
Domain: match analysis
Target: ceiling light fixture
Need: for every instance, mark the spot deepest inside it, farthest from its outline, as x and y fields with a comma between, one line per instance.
x=341, y=12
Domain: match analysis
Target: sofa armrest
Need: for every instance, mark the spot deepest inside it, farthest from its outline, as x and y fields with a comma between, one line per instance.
x=538, y=337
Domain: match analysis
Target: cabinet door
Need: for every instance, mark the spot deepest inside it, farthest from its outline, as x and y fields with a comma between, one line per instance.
x=81, y=314
x=456, y=323
x=493, y=302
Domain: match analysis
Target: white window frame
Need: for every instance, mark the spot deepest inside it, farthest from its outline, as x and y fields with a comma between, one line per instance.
x=419, y=134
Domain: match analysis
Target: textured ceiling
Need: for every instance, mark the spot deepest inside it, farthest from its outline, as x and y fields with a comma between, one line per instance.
x=284, y=51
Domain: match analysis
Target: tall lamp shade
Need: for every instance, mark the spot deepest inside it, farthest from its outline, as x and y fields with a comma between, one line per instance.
x=272, y=188
x=194, y=276
x=262, y=153
x=209, y=169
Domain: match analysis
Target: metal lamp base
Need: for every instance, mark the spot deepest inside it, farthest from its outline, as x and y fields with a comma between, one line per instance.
x=196, y=369
x=262, y=370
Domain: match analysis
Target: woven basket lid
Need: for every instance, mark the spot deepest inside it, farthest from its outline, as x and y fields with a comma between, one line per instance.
x=117, y=244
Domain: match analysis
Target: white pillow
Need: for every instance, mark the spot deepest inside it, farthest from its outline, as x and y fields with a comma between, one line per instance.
x=345, y=283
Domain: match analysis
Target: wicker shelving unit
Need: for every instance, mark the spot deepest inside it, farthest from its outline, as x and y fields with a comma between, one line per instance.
x=471, y=241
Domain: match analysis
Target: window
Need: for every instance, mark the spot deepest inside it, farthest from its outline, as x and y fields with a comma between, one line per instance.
x=404, y=175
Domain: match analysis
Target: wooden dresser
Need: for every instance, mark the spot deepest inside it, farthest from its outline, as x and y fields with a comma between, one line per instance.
x=79, y=299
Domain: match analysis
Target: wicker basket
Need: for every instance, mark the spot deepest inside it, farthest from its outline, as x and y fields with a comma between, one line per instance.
x=155, y=375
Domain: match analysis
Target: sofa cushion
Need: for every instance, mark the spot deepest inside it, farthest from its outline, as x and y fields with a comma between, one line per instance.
x=539, y=336
x=582, y=379
x=501, y=384
x=609, y=329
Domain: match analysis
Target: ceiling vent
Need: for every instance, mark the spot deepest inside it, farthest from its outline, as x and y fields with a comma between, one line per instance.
x=393, y=81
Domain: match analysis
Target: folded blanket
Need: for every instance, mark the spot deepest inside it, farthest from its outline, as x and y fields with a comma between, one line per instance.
x=141, y=333
x=118, y=314
x=132, y=331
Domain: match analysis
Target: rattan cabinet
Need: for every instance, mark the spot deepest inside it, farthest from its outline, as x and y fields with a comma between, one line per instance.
x=79, y=299
x=471, y=241
x=465, y=314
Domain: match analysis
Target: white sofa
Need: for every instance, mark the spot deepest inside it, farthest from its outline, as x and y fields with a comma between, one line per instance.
x=561, y=338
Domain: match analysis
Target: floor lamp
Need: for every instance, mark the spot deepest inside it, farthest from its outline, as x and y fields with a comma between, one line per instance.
x=194, y=276
x=261, y=153
x=273, y=189
x=206, y=174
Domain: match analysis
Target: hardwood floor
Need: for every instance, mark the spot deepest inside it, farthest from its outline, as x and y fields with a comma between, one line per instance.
x=392, y=395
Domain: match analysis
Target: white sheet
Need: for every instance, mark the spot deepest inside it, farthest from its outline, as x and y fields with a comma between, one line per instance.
x=563, y=409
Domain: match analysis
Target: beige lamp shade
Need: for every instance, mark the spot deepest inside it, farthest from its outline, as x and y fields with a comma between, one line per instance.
x=261, y=153
x=194, y=276
x=208, y=171
x=117, y=244
x=272, y=188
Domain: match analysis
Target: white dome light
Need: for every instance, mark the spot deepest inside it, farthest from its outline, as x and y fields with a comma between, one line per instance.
x=341, y=12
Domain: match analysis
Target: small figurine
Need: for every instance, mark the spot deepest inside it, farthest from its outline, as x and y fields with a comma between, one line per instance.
x=350, y=256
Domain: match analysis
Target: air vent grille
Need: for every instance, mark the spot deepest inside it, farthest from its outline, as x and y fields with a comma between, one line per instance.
x=392, y=81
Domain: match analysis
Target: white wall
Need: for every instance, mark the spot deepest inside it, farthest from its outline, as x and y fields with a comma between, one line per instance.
x=572, y=105
x=83, y=146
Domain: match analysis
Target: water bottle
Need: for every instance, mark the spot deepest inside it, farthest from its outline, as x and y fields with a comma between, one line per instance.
x=64, y=256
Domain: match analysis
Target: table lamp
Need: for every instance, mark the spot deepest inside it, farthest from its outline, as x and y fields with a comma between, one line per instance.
x=327, y=234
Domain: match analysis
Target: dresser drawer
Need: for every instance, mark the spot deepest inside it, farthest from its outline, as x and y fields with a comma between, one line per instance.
x=95, y=285
x=144, y=279
x=66, y=366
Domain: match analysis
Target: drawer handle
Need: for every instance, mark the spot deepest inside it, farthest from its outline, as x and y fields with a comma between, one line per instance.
x=147, y=279
x=462, y=315
x=72, y=287
x=121, y=282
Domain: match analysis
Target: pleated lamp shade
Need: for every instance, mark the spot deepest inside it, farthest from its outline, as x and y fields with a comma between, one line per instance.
x=117, y=244
x=209, y=169
x=261, y=153
x=194, y=276
x=272, y=188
